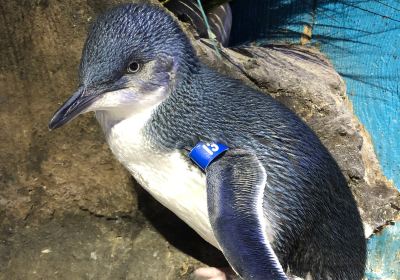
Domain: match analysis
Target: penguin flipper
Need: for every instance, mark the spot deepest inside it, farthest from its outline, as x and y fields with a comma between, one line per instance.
x=235, y=190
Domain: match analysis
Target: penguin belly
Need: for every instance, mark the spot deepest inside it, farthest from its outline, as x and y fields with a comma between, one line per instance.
x=169, y=177
x=179, y=187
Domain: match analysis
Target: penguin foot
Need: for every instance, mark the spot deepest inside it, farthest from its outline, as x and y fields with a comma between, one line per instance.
x=213, y=273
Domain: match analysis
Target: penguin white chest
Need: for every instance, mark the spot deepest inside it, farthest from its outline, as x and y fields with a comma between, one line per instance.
x=169, y=177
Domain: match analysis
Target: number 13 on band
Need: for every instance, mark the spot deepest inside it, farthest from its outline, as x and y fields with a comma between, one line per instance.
x=204, y=153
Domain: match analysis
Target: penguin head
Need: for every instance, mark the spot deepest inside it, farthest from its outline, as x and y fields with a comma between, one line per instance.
x=133, y=57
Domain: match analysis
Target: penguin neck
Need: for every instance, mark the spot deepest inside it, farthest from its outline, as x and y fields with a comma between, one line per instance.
x=176, y=122
x=171, y=123
x=108, y=119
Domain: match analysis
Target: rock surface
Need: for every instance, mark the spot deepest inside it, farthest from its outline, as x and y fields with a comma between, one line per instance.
x=68, y=210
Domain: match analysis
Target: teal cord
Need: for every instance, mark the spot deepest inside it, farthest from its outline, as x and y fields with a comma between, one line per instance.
x=210, y=34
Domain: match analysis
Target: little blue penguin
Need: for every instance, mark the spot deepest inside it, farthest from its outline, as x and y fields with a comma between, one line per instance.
x=275, y=203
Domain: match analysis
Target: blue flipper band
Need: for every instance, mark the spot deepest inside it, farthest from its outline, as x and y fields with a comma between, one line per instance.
x=204, y=153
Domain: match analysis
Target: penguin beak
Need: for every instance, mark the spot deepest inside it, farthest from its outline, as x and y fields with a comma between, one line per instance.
x=74, y=106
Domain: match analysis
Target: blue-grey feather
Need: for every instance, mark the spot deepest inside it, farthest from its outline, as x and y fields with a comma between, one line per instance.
x=317, y=225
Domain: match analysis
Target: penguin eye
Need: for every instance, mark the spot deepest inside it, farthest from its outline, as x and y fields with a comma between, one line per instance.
x=134, y=67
